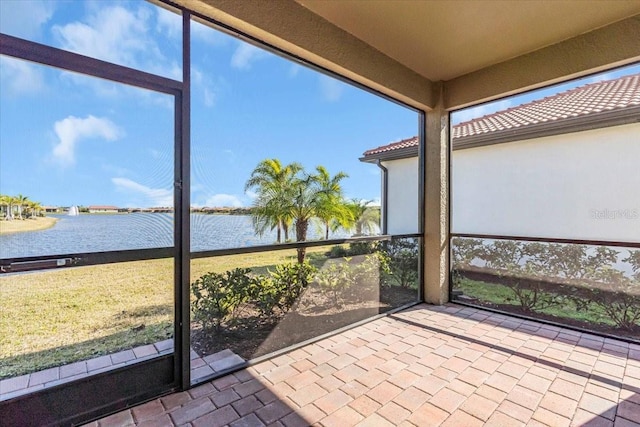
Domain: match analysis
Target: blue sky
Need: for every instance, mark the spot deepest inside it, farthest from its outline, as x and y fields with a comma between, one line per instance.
x=75, y=140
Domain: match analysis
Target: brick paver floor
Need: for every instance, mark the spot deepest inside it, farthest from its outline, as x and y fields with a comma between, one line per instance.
x=428, y=365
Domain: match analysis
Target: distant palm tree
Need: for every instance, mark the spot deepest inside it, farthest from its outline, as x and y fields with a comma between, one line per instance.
x=32, y=209
x=37, y=206
x=21, y=202
x=365, y=218
x=11, y=203
x=330, y=208
x=272, y=183
x=5, y=206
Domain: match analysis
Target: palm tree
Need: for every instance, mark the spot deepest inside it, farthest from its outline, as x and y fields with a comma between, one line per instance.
x=330, y=207
x=27, y=209
x=365, y=218
x=20, y=201
x=273, y=184
x=5, y=205
x=305, y=204
x=287, y=195
x=318, y=196
x=10, y=202
x=37, y=206
x=33, y=209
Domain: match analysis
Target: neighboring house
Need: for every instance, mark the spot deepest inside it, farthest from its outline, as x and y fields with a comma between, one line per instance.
x=566, y=166
x=103, y=209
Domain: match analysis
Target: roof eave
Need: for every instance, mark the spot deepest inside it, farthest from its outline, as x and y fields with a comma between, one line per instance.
x=401, y=153
x=557, y=127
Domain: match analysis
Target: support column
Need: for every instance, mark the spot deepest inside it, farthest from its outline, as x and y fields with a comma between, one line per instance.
x=436, y=200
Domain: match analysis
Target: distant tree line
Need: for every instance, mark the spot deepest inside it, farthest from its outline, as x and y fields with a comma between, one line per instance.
x=223, y=210
x=18, y=207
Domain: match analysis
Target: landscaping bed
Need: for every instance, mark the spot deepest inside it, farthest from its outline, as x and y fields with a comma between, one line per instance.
x=591, y=287
x=491, y=292
x=314, y=315
x=255, y=312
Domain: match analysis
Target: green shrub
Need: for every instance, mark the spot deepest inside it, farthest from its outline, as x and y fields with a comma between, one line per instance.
x=217, y=296
x=616, y=295
x=281, y=288
x=402, y=260
x=264, y=295
x=338, y=252
x=335, y=279
x=464, y=251
x=290, y=280
x=551, y=277
x=516, y=262
x=362, y=248
x=368, y=272
x=634, y=260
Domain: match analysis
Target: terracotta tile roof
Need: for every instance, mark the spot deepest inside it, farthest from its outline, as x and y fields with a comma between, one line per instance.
x=592, y=98
x=405, y=143
x=102, y=207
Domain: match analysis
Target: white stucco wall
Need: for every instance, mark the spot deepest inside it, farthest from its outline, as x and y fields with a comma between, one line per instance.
x=583, y=185
x=403, y=196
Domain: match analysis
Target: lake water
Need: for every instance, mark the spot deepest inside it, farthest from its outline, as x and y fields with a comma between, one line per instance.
x=97, y=233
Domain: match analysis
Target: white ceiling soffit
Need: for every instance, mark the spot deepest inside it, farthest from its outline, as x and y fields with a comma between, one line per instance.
x=442, y=40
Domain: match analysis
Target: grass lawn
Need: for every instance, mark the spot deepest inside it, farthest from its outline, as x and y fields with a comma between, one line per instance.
x=498, y=294
x=31, y=224
x=57, y=317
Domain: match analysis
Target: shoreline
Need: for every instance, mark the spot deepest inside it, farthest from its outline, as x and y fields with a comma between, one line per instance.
x=31, y=224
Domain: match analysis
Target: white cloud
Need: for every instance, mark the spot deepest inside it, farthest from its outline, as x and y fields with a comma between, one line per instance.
x=250, y=194
x=170, y=23
x=113, y=33
x=330, y=88
x=294, y=70
x=119, y=35
x=24, y=18
x=198, y=81
x=71, y=130
x=209, y=98
x=147, y=196
x=20, y=77
x=245, y=55
x=209, y=87
x=223, y=200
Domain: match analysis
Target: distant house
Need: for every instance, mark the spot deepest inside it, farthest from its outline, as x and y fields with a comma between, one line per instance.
x=566, y=166
x=102, y=209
